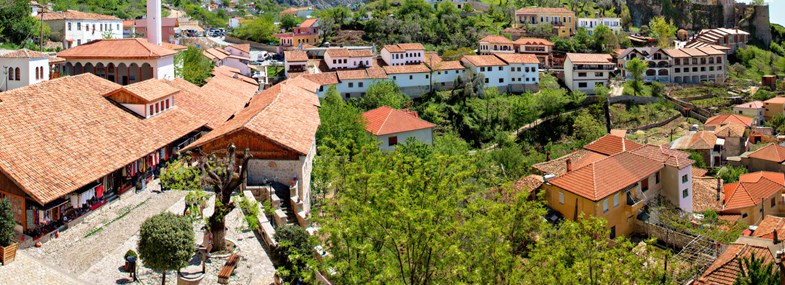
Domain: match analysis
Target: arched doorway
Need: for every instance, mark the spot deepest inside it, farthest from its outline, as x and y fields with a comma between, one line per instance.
x=147, y=72
x=111, y=72
x=89, y=68
x=133, y=73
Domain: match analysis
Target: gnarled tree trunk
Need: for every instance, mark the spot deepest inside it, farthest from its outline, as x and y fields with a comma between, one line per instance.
x=223, y=184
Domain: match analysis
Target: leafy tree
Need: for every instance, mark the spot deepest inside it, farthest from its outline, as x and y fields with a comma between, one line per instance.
x=15, y=21
x=295, y=246
x=551, y=101
x=698, y=158
x=288, y=22
x=755, y=270
x=663, y=30
x=582, y=39
x=777, y=123
x=763, y=95
x=604, y=5
x=636, y=68
x=657, y=89
x=7, y=223
x=166, y=242
x=195, y=67
x=261, y=30
x=383, y=93
x=626, y=18
x=605, y=40
x=340, y=121
x=179, y=176
x=730, y=174
x=587, y=128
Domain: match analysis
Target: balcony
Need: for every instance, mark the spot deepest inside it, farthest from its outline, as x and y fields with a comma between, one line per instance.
x=635, y=196
x=593, y=67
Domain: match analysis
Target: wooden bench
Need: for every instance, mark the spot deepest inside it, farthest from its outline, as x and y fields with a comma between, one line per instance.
x=228, y=268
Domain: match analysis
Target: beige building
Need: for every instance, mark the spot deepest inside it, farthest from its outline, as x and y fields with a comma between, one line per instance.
x=585, y=71
x=754, y=196
x=495, y=44
x=685, y=65
x=561, y=20
x=773, y=107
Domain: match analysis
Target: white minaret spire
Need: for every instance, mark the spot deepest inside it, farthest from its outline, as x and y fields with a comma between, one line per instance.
x=154, y=21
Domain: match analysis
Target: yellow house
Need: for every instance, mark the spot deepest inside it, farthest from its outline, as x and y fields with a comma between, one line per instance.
x=773, y=107
x=755, y=195
x=617, y=187
x=307, y=33
x=562, y=20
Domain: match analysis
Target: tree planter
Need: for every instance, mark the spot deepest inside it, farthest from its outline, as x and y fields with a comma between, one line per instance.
x=8, y=253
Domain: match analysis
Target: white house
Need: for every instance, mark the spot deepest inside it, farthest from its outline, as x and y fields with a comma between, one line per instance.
x=401, y=54
x=495, y=44
x=234, y=22
x=22, y=67
x=391, y=127
x=495, y=71
x=444, y=73
x=752, y=109
x=74, y=28
x=541, y=48
x=295, y=62
x=243, y=50
x=342, y=58
x=414, y=80
x=523, y=72
x=123, y=61
x=591, y=23
x=584, y=71
x=324, y=80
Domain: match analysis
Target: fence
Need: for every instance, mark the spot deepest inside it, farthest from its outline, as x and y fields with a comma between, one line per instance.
x=656, y=124
x=694, y=111
x=667, y=236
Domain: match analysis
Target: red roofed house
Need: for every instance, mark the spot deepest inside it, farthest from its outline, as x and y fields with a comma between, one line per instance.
x=725, y=269
x=413, y=79
x=723, y=119
x=773, y=107
x=295, y=61
x=74, y=28
x=705, y=143
x=123, y=61
x=522, y=72
x=391, y=127
x=541, y=48
x=752, y=109
x=495, y=44
x=767, y=158
x=585, y=71
x=755, y=195
x=307, y=33
x=22, y=67
x=343, y=58
x=402, y=54
x=616, y=187
x=561, y=20
x=444, y=72
x=108, y=150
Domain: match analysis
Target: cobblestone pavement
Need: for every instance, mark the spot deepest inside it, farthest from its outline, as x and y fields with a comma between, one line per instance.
x=28, y=270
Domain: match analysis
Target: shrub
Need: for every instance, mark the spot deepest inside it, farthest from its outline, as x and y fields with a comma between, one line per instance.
x=7, y=223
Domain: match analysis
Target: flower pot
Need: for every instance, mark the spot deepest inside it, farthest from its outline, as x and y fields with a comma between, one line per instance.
x=8, y=253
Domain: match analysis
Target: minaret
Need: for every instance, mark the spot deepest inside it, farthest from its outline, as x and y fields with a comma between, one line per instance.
x=154, y=21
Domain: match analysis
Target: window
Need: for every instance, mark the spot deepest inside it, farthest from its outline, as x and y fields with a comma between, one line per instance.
x=78, y=26
x=167, y=103
x=501, y=68
x=351, y=84
x=616, y=200
x=773, y=202
x=36, y=74
x=581, y=74
x=605, y=206
x=561, y=197
x=69, y=26
x=501, y=80
x=684, y=178
x=10, y=73
x=645, y=184
x=581, y=84
x=486, y=80
x=359, y=84
x=411, y=77
x=482, y=69
x=744, y=215
x=613, y=232
x=157, y=109
x=677, y=70
x=17, y=74
x=426, y=76
x=598, y=74
x=393, y=140
x=151, y=111
x=685, y=193
x=657, y=178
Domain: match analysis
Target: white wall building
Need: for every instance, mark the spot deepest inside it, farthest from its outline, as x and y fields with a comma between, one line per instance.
x=752, y=109
x=392, y=127
x=584, y=71
x=413, y=80
x=495, y=44
x=22, y=67
x=342, y=58
x=495, y=71
x=123, y=61
x=295, y=61
x=402, y=54
x=591, y=23
x=74, y=28
x=444, y=73
x=523, y=72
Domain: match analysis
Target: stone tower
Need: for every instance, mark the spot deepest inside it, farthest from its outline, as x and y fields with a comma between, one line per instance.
x=729, y=13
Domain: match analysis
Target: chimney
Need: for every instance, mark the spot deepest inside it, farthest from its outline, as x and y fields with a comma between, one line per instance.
x=776, y=236
x=719, y=188
x=569, y=164
x=547, y=156
x=154, y=22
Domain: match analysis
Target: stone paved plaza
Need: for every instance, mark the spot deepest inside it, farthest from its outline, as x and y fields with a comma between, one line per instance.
x=91, y=252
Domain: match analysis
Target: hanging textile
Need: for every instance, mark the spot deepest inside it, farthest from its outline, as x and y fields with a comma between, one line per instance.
x=99, y=191
x=75, y=201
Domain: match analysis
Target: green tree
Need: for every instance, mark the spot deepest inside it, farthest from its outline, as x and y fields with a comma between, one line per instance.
x=587, y=128
x=626, y=19
x=296, y=248
x=177, y=175
x=260, y=30
x=551, y=101
x=195, y=67
x=636, y=68
x=383, y=93
x=755, y=270
x=730, y=174
x=166, y=242
x=7, y=223
x=664, y=31
x=605, y=40
x=698, y=158
x=288, y=22
x=777, y=123
x=16, y=23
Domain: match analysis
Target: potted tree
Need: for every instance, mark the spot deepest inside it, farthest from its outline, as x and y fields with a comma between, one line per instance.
x=8, y=246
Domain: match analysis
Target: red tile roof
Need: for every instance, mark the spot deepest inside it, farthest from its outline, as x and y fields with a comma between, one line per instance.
x=242, y=47
x=22, y=53
x=730, y=130
x=726, y=268
x=308, y=23
x=214, y=108
x=768, y=225
x=590, y=58
x=411, y=46
x=386, y=120
x=533, y=42
x=75, y=15
x=135, y=48
x=483, y=60
x=751, y=105
x=698, y=172
x=771, y=152
x=323, y=78
x=376, y=73
x=284, y=114
x=669, y=157
x=697, y=141
x=215, y=54
x=579, y=158
x=393, y=48
x=337, y=52
x=352, y=74
x=496, y=40
x=148, y=90
x=723, y=119
x=704, y=194
x=602, y=178
x=409, y=68
x=518, y=58
x=776, y=100
x=360, y=53
x=610, y=145
x=536, y=10
x=71, y=139
x=295, y=55
x=751, y=189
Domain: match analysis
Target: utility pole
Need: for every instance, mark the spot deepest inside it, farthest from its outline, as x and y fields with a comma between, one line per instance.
x=41, y=35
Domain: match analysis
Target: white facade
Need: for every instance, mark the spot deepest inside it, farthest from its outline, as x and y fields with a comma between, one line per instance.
x=31, y=71
x=591, y=23
x=124, y=71
x=423, y=135
x=153, y=30
x=405, y=80
x=346, y=62
x=402, y=57
x=444, y=79
x=234, y=23
x=298, y=65
x=77, y=32
x=523, y=73
x=749, y=110
x=584, y=77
